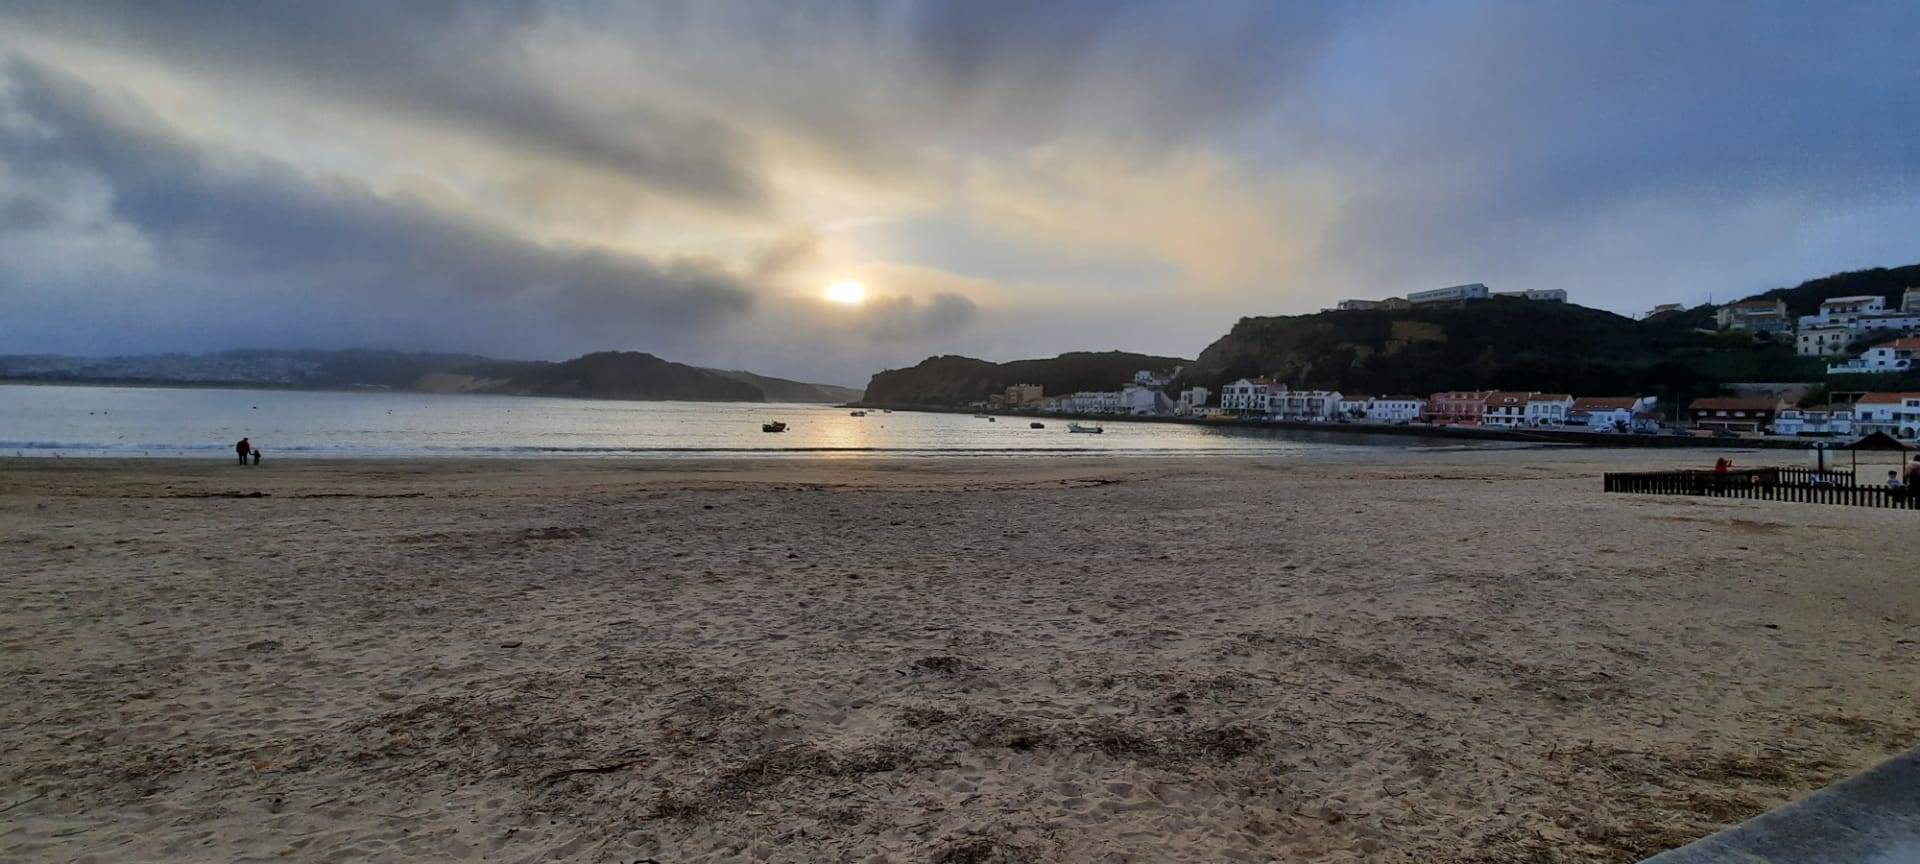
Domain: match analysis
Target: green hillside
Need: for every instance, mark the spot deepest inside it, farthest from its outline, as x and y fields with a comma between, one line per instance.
x=953, y=380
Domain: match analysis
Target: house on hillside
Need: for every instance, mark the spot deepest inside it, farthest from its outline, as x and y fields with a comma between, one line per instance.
x=1910, y=300
x=1894, y=356
x=1822, y=340
x=1897, y=414
x=1755, y=316
x=1456, y=406
x=1743, y=415
x=1845, y=310
x=1614, y=413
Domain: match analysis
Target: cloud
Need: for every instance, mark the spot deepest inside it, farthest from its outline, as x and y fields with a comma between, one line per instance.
x=904, y=318
x=561, y=175
x=241, y=243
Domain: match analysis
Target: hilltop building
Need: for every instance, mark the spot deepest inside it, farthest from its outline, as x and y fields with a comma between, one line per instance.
x=1755, y=316
x=1544, y=295
x=1474, y=291
x=1666, y=307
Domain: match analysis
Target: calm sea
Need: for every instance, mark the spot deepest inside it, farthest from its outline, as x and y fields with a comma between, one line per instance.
x=154, y=421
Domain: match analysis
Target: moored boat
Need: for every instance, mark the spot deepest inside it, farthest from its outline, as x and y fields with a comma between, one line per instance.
x=773, y=426
x=856, y=413
x=1091, y=430
x=1036, y=425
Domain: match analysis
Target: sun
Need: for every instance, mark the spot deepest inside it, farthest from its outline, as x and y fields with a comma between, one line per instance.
x=847, y=292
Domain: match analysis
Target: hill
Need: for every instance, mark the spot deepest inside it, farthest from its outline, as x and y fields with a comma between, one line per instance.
x=953, y=380
x=1501, y=343
x=1887, y=282
x=605, y=375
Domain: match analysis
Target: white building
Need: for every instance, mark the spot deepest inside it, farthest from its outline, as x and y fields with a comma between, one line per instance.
x=1548, y=409
x=1822, y=340
x=1086, y=402
x=1544, y=295
x=1895, y=356
x=1150, y=378
x=1475, y=291
x=1393, y=409
x=1251, y=395
x=1306, y=405
x=1506, y=408
x=1897, y=414
x=1356, y=305
x=1844, y=310
x=1825, y=420
x=1191, y=401
x=1614, y=413
x=1142, y=401
x=1910, y=300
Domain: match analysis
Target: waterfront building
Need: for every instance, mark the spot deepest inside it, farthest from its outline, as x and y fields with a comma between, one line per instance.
x=1897, y=414
x=1456, y=406
x=1617, y=413
x=1548, y=409
x=1742, y=415
x=1894, y=356
x=1251, y=395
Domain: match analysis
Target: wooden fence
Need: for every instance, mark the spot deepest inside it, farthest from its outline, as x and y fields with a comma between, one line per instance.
x=1765, y=484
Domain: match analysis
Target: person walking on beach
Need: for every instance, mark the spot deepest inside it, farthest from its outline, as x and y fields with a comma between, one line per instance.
x=243, y=448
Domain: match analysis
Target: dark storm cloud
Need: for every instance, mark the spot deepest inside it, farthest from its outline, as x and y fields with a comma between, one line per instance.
x=279, y=244
x=457, y=65
x=894, y=318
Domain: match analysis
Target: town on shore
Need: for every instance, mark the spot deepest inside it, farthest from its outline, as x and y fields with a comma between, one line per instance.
x=1882, y=338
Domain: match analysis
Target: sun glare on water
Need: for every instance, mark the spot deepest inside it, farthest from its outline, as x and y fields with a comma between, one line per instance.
x=847, y=292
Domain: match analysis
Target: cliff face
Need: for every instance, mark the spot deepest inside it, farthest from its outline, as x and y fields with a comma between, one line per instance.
x=1502, y=343
x=952, y=380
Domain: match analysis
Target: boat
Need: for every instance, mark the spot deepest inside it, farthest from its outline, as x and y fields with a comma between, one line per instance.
x=991, y=420
x=856, y=413
x=1091, y=430
x=1036, y=425
x=775, y=426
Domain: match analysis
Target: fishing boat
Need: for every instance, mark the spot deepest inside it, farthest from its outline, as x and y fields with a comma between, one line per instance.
x=1036, y=425
x=856, y=413
x=1091, y=430
x=774, y=426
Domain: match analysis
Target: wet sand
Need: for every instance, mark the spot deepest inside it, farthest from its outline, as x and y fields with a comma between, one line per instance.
x=1433, y=657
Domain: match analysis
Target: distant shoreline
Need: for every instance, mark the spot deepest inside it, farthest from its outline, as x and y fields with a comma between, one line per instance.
x=1458, y=433
x=150, y=384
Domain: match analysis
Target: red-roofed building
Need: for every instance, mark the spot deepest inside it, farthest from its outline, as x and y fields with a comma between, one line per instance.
x=1456, y=406
x=1742, y=415
x=1505, y=408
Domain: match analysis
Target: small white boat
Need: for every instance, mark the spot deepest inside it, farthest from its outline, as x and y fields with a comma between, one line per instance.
x=1091, y=430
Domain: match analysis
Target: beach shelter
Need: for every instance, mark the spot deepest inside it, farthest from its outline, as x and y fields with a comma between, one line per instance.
x=1876, y=442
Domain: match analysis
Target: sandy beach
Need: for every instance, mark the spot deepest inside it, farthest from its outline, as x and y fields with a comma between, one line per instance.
x=1411, y=657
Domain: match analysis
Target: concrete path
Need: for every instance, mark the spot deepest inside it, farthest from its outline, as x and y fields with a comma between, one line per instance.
x=1870, y=818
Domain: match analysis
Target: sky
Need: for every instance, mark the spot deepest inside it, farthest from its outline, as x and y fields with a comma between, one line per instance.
x=1002, y=179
